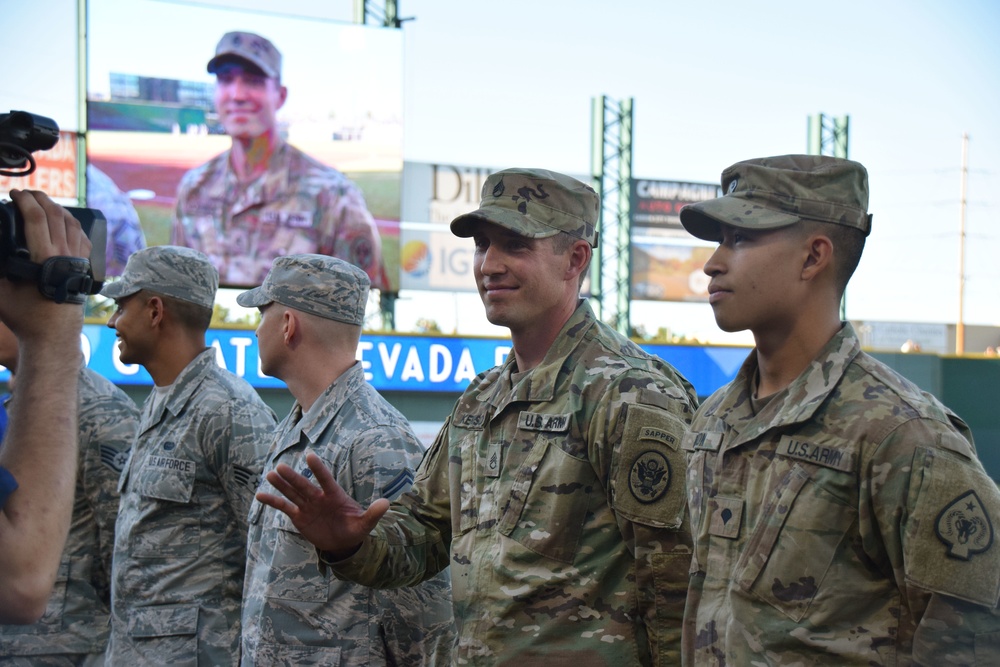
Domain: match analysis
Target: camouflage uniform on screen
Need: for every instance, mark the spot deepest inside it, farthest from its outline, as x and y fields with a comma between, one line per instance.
x=294, y=613
x=125, y=235
x=74, y=628
x=560, y=495
x=298, y=206
x=845, y=519
x=180, y=537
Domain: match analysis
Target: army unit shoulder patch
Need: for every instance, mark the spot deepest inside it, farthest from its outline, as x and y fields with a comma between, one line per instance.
x=965, y=527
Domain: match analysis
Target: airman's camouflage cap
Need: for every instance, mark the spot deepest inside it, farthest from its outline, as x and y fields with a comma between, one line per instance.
x=535, y=203
x=773, y=192
x=169, y=270
x=256, y=50
x=317, y=284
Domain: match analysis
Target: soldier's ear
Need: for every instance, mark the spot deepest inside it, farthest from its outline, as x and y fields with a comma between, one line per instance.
x=579, y=259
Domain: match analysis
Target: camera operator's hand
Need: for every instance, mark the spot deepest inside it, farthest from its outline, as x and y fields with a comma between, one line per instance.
x=50, y=231
x=40, y=447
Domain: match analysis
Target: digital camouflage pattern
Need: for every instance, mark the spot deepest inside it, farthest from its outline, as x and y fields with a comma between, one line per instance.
x=173, y=271
x=324, y=286
x=180, y=543
x=125, y=235
x=535, y=203
x=75, y=623
x=296, y=614
x=298, y=206
x=847, y=523
x=774, y=192
x=557, y=496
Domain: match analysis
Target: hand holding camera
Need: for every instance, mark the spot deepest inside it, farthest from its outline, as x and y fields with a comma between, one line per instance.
x=49, y=256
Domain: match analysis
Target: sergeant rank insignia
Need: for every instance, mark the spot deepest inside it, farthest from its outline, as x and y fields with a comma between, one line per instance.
x=965, y=527
x=649, y=478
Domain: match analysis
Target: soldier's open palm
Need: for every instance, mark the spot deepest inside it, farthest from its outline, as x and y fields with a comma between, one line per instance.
x=325, y=514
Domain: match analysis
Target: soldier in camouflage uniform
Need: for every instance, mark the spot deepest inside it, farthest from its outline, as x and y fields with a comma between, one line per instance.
x=264, y=198
x=312, y=308
x=555, y=489
x=74, y=628
x=180, y=540
x=840, y=514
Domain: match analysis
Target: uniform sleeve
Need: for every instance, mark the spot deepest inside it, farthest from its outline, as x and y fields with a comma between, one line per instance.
x=642, y=423
x=350, y=233
x=178, y=235
x=381, y=464
x=937, y=511
x=107, y=430
x=412, y=541
x=239, y=439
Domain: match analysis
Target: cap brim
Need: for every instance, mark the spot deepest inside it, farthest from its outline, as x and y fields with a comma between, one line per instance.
x=253, y=298
x=464, y=225
x=215, y=63
x=705, y=219
x=118, y=289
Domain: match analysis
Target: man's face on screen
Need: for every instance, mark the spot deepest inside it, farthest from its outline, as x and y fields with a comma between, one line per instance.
x=247, y=101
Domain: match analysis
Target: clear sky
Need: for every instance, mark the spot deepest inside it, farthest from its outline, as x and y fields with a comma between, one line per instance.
x=510, y=83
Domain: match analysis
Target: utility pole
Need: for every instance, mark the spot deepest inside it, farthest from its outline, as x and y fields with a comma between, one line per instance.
x=960, y=326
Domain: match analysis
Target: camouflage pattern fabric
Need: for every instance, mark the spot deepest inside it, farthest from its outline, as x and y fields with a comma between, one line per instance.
x=294, y=614
x=847, y=523
x=557, y=496
x=536, y=204
x=125, y=235
x=298, y=206
x=323, y=286
x=181, y=273
x=180, y=542
x=75, y=622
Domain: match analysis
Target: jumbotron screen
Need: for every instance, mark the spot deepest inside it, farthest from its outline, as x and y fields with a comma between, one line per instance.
x=162, y=133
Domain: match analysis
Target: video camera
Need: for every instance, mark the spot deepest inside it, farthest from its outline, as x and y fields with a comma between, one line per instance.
x=59, y=278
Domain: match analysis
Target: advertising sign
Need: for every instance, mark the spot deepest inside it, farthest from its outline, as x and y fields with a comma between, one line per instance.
x=397, y=363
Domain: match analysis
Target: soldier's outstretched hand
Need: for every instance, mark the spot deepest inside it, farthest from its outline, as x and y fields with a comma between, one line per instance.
x=325, y=515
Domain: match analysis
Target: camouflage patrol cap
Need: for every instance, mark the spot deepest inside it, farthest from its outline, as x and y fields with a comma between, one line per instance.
x=773, y=192
x=254, y=49
x=181, y=273
x=317, y=284
x=535, y=203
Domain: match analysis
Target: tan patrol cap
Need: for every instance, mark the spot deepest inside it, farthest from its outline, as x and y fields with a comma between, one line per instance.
x=254, y=49
x=773, y=192
x=535, y=203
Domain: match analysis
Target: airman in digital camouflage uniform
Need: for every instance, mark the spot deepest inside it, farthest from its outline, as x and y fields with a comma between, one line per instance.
x=555, y=489
x=180, y=542
x=74, y=628
x=840, y=514
x=264, y=198
x=294, y=613
x=124, y=235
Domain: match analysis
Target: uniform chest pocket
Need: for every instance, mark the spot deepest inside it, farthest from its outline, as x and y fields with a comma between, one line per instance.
x=169, y=530
x=548, y=501
x=293, y=573
x=799, y=533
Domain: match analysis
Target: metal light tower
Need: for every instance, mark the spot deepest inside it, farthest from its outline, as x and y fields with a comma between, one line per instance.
x=611, y=171
x=829, y=136
x=385, y=14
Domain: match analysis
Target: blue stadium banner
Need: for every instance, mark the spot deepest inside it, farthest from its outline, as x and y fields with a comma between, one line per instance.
x=400, y=362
